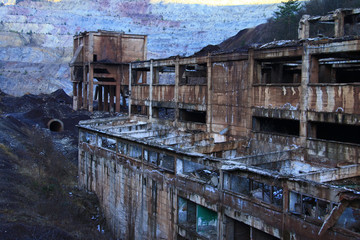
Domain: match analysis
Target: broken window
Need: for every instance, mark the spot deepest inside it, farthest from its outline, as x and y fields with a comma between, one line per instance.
x=336, y=69
x=266, y=193
x=335, y=132
x=166, y=161
x=151, y=156
x=350, y=219
x=122, y=148
x=188, y=167
x=135, y=151
x=277, y=196
x=352, y=23
x=192, y=116
x=275, y=125
x=206, y=222
x=276, y=71
x=321, y=29
x=164, y=113
x=107, y=143
x=309, y=206
x=88, y=137
x=164, y=75
x=237, y=183
x=140, y=76
x=194, y=74
x=187, y=213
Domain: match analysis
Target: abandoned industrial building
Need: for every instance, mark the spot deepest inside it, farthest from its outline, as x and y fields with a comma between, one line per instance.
x=261, y=143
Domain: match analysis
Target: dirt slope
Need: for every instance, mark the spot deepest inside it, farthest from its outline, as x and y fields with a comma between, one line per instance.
x=39, y=198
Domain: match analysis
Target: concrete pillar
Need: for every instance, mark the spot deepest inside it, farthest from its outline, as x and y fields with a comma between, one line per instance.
x=85, y=79
x=75, y=98
x=250, y=91
x=176, y=94
x=91, y=87
x=339, y=23
x=130, y=81
x=106, y=98
x=100, y=101
x=111, y=105
x=304, y=27
x=79, y=95
x=119, y=73
x=304, y=93
x=151, y=88
x=209, y=95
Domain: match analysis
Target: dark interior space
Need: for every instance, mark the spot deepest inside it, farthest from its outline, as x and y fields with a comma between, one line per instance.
x=336, y=132
x=274, y=125
x=192, y=116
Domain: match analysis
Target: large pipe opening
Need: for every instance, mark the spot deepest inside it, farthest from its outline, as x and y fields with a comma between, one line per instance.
x=55, y=125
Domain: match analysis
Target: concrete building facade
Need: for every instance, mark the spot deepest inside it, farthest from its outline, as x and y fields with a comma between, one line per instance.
x=260, y=143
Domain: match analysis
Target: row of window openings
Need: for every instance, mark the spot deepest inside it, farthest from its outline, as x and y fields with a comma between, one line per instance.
x=317, y=130
x=184, y=167
x=298, y=203
x=189, y=75
x=203, y=221
x=185, y=115
x=330, y=70
x=262, y=191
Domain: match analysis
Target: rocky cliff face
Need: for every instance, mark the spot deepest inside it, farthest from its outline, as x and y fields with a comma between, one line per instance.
x=36, y=36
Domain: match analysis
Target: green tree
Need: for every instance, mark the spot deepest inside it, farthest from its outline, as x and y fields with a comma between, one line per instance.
x=283, y=25
x=287, y=10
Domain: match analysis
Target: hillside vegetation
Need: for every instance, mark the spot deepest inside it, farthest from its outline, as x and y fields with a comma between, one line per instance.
x=283, y=25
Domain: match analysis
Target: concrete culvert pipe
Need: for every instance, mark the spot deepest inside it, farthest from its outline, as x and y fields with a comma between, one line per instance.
x=55, y=125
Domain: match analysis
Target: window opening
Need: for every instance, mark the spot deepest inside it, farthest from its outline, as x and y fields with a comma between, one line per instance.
x=274, y=125
x=192, y=116
x=195, y=74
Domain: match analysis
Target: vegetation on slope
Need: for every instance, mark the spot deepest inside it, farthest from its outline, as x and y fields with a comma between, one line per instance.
x=39, y=196
x=282, y=26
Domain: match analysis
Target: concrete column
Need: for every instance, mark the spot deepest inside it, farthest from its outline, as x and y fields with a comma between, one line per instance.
x=209, y=95
x=304, y=27
x=85, y=79
x=75, y=98
x=304, y=93
x=106, y=98
x=176, y=94
x=250, y=91
x=339, y=23
x=117, y=89
x=111, y=105
x=79, y=95
x=130, y=81
x=150, y=88
x=91, y=87
x=100, y=101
